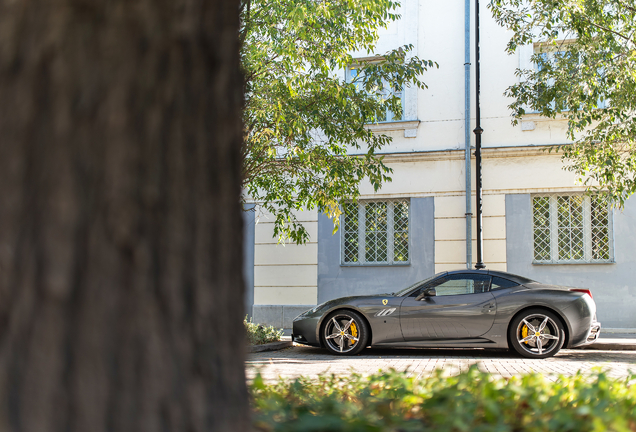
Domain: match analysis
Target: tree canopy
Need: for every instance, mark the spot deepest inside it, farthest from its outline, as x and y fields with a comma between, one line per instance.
x=306, y=143
x=585, y=71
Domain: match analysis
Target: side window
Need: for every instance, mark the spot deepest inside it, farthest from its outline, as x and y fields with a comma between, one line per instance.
x=383, y=93
x=500, y=283
x=420, y=289
x=459, y=284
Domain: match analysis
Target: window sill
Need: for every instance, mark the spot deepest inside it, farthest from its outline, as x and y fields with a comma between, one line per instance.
x=537, y=116
x=404, y=264
x=408, y=126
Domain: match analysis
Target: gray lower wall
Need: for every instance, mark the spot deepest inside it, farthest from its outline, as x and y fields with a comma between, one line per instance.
x=613, y=285
x=279, y=316
x=336, y=281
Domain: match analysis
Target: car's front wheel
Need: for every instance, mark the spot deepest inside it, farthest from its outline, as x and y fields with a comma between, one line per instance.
x=536, y=333
x=345, y=332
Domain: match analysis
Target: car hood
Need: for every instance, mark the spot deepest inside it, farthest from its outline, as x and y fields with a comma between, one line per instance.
x=353, y=299
x=349, y=300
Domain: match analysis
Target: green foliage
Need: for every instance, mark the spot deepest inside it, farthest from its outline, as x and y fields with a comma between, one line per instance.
x=258, y=334
x=592, y=63
x=306, y=144
x=471, y=402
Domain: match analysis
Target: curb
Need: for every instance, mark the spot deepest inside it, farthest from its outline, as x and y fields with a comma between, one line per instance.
x=608, y=347
x=612, y=344
x=272, y=346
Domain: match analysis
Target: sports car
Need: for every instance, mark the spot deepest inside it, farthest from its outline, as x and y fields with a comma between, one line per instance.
x=465, y=308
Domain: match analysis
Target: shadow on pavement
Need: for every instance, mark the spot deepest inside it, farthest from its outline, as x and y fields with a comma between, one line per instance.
x=304, y=354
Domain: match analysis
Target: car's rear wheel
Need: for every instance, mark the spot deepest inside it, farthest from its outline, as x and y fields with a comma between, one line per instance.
x=345, y=332
x=536, y=333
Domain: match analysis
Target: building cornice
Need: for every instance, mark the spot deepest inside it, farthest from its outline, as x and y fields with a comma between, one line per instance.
x=394, y=125
x=459, y=154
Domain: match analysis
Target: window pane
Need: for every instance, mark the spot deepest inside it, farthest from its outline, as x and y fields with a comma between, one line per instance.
x=570, y=231
x=542, y=250
x=350, y=253
x=600, y=230
x=501, y=283
x=458, y=285
x=381, y=93
x=351, y=247
x=454, y=287
x=541, y=220
x=541, y=212
x=401, y=231
x=376, y=232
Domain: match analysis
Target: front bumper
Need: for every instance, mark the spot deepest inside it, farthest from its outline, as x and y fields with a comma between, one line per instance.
x=304, y=331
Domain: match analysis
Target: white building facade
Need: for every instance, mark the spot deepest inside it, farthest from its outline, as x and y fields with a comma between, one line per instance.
x=536, y=220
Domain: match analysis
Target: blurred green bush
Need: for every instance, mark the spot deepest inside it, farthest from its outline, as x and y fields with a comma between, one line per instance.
x=471, y=402
x=258, y=334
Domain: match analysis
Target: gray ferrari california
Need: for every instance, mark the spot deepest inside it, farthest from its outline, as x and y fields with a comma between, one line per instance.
x=464, y=308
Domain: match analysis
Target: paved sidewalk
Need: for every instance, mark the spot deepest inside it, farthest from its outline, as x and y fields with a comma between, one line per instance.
x=309, y=361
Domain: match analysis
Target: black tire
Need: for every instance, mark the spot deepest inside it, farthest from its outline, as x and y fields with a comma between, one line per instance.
x=344, y=332
x=548, y=337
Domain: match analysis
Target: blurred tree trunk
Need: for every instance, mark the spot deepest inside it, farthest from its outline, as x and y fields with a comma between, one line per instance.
x=121, y=295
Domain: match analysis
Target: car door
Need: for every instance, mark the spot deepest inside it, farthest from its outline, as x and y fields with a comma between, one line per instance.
x=461, y=308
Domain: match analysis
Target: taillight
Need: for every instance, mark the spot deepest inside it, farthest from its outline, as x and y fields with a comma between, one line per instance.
x=584, y=291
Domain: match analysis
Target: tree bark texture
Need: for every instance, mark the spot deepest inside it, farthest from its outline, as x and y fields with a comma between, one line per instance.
x=121, y=294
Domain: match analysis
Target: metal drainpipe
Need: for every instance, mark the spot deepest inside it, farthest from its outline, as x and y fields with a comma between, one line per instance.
x=478, y=131
x=469, y=214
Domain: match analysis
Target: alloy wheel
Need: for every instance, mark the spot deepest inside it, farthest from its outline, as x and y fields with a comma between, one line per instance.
x=341, y=333
x=538, y=334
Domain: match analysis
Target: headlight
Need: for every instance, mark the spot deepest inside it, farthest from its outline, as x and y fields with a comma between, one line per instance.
x=310, y=311
x=317, y=308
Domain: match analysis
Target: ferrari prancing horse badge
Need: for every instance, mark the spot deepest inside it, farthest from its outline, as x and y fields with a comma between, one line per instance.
x=384, y=302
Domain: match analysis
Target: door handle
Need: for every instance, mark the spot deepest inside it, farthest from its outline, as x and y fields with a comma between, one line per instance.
x=489, y=307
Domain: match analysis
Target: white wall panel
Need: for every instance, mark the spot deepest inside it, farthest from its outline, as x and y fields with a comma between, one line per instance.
x=450, y=206
x=285, y=254
x=285, y=275
x=450, y=267
x=455, y=206
x=302, y=216
x=285, y=295
x=454, y=251
x=450, y=229
x=494, y=228
x=455, y=228
x=264, y=232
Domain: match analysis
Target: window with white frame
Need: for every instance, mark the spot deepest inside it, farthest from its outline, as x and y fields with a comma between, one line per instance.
x=375, y=232
x=571, y=229
x=354, y=75
x=549, y=56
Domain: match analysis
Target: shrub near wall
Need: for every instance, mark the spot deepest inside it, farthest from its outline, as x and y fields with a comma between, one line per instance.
x=473, y=401
x=258, y=334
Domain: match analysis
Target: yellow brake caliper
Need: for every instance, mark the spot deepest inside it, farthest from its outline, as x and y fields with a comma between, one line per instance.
x=354, y=332
x=524, y=333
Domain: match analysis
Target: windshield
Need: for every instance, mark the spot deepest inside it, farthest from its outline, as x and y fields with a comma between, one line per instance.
x=416, y=284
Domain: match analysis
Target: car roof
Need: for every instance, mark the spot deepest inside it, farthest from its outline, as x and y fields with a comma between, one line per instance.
x=512, y=277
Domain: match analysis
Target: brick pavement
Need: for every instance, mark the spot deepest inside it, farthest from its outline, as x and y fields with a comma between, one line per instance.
x=307, y=361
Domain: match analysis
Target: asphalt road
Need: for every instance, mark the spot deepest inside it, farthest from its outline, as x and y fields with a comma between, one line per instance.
x=307, y=361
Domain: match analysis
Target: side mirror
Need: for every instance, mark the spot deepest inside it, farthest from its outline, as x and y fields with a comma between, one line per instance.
x=429, y=292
